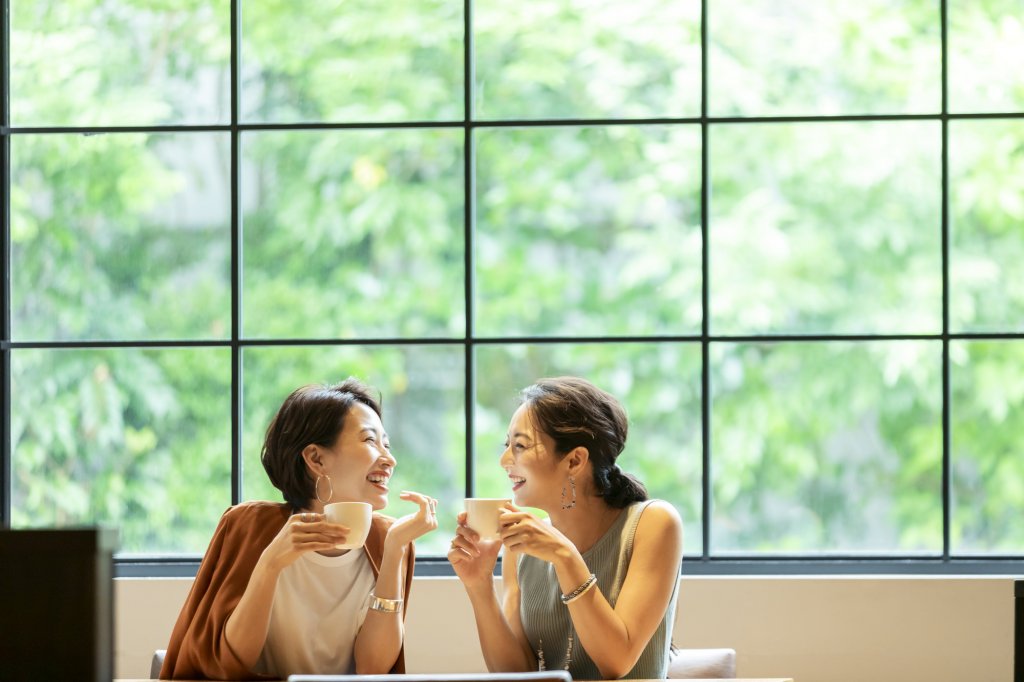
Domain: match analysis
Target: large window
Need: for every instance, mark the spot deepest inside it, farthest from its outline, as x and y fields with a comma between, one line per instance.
x=788, y=234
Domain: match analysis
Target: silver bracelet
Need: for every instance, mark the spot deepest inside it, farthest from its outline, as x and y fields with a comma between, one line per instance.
x=385, y=605
x=579, y=591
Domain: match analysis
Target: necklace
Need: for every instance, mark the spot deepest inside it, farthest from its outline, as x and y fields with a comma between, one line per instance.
x=540, y=653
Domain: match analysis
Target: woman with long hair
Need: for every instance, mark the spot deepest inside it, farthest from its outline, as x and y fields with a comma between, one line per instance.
x=591, y=589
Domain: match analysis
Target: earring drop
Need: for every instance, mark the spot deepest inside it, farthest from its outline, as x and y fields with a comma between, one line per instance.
x=572, y=503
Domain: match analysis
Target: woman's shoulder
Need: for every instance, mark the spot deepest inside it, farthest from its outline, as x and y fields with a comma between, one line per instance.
x=244, y=530
x=659, y=533
x=257, y=509
x=258, y=517
x=657, y=517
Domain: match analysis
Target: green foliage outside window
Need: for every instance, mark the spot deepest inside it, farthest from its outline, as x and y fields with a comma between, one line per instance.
x=591, y=230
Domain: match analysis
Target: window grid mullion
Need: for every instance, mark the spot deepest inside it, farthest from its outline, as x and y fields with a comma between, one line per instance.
x=514, y=123
x=6, y=464
x=705, y=349
x=947, y=497
x=236, y=251
x=468, y=225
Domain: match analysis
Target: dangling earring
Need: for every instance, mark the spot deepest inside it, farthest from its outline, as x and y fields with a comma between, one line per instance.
x=572, y=485
x=316, y=489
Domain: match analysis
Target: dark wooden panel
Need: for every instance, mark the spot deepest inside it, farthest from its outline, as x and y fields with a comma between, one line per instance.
x=57, y=592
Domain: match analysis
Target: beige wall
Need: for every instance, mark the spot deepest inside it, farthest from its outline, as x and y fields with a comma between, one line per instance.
x=815, y=629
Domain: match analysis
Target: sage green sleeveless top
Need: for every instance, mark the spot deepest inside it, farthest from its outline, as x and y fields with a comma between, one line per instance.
x=546, y=619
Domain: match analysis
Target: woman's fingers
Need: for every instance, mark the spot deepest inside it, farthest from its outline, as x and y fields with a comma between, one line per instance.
x=509, y=519
x=325, y=527
x=461, y=543
x=457, y=555
x=428, y=505
x=468, y=533
x=307, y=539
x=423, y=521
x=413, y=496
x=514, y=526
x=311, y=522
x=318, y=530
x=516, y=532
x=511, y=544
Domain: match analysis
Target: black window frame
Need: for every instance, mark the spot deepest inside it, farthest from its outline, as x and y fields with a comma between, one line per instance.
x=705, y=563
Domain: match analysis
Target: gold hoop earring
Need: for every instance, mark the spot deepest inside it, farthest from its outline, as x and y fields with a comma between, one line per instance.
x=572, y=485
x=316, y=489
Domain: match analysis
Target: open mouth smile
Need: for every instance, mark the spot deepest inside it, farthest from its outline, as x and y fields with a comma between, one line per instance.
x=379, y=479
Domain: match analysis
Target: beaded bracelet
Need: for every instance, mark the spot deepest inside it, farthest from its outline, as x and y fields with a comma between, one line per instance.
x=579, y=591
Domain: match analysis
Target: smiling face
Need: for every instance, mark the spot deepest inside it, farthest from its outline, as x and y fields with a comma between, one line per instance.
x=359, y=463
x=534, y=470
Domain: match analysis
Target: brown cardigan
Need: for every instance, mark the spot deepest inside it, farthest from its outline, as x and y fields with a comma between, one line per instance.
x=197, y=649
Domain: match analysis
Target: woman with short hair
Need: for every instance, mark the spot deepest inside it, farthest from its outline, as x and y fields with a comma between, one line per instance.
x=273, y=596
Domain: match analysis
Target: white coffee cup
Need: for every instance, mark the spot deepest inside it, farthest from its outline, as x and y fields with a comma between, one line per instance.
x=355, y=515
x=482, y=514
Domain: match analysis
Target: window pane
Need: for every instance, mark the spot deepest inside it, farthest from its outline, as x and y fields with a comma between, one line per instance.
x=986, y=51
x=987, y=418
x=586, y=59
x=827, y=447
x=345, y=233
x=826, y=228
x=793, y=57
x=351, y=60
x=94, y=63
x=986, y=214
x=658, y=384
x=423, y=391
x=588, y=231
x=120, y=237
x=137, y=439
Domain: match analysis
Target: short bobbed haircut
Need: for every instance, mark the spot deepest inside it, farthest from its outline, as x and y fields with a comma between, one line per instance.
x=313, y=414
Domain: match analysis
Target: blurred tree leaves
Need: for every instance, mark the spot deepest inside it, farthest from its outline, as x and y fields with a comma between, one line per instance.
x=579, y=231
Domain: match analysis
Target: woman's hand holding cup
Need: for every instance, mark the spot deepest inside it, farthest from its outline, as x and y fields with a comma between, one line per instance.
x=475, y=547
x=303, y=532
x=356, y=516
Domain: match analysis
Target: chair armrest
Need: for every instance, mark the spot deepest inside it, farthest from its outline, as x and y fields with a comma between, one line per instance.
x=157, y=663
x=702, y=663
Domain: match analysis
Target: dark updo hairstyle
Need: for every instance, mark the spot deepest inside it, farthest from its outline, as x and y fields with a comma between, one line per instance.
x=313, y=414
x=575, y=413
